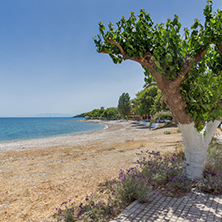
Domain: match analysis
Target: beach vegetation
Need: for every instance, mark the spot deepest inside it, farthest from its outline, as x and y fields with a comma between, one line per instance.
x=159, y=105
x=142, y=104
x=185, y=65
x=148, y=101
x=94, y=113
x=124, y=105
x=167, y=132
x=213, y=163
x=154, y=171
x=110, y=113
x=161, y=115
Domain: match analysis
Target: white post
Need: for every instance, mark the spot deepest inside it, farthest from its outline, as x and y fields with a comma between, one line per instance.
x=196, y=144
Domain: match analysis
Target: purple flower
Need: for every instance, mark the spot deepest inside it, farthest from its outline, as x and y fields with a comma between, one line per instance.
x=63, y=203
x=111, y=209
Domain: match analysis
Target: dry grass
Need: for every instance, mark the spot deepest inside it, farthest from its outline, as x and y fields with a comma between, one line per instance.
x=213, y=163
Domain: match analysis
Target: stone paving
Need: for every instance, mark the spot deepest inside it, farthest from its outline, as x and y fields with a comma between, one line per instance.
x=195, y=206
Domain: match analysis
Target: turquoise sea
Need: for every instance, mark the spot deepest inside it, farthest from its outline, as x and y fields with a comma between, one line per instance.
x=15, y=129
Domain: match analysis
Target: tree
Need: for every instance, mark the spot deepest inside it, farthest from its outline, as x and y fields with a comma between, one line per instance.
x=159, y=104
x=102, y=109
x=95, y=112
x=144, y=101
x=124, y=105
x=110, y=113
x=188, y=71
x=149, y=101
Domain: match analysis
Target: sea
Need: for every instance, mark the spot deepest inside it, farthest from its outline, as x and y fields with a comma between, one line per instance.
x=16, y=129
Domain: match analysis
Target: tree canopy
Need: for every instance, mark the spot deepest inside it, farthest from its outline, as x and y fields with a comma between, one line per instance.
x=187, y=69
x=184, y=66
x=95, y=112
x=148, y=101
x=110, y=113
x=124, y=105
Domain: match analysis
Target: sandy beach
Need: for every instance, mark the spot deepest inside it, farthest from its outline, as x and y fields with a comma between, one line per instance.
x=38, y=175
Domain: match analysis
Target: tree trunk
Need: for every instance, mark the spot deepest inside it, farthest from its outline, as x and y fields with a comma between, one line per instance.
x=196, y=144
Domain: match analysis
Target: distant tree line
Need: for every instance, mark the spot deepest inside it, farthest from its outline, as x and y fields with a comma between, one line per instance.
x=79, y=116
x=148, y=102
x=109, y=113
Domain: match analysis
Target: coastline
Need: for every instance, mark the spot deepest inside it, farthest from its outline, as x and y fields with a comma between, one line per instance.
x=38, y=175
x=40, y=143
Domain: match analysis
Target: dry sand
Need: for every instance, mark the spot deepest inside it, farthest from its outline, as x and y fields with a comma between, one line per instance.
x=36, y=176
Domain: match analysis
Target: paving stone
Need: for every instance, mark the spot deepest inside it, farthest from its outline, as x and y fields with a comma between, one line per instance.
x=196, y=206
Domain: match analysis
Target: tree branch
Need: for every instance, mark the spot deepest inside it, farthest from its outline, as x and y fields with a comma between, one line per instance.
x=142, y=61
x=145, y=60
x=119, y=46
x=188, y=64
x=198, y=57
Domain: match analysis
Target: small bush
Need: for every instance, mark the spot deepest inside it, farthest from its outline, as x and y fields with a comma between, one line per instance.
x=211, y=184
x=167, y=132
x=158, y=169
x=179, y=150
x=98, y=207
x=213, y=163
x=181, y=182
x=178, y=131
x=131, y=185
x=66, y=212
x=153, y=171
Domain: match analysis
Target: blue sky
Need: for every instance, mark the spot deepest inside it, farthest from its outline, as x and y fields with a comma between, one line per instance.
x=48, y=60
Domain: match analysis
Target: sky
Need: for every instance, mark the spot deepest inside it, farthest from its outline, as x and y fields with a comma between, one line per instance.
x=48, y=60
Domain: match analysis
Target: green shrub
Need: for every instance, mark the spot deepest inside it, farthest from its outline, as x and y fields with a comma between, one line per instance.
x=131, y=185
x=153, y=171
x=213, y=163
x=211, y=184
x=160, y=169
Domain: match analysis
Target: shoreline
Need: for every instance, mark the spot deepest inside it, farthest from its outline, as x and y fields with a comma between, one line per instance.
x=38, y=175
x=44, y=142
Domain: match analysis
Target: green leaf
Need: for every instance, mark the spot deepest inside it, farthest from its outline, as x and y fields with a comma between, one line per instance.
x=157, y=64
x=213, y=21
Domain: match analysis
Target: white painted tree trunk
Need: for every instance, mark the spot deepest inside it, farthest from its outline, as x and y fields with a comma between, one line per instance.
x=196, y=144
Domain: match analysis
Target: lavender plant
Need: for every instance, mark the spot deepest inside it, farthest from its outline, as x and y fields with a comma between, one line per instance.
x=66, y=212
x=211, y=184
x=160, y=169
x=181, y=183
x=153, y=171
x=131, y=185
x=97, y=207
